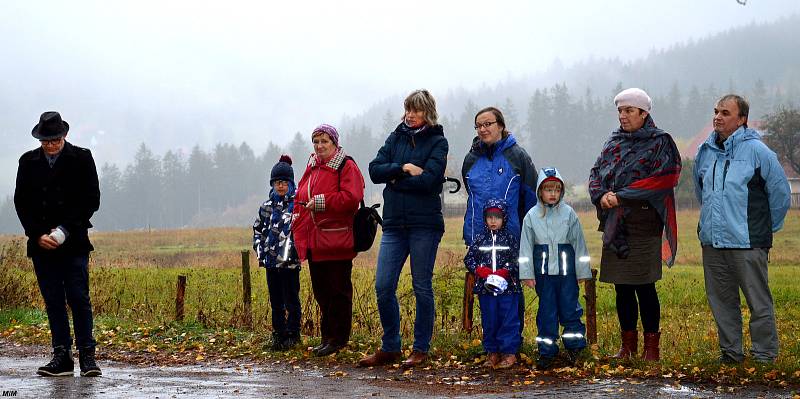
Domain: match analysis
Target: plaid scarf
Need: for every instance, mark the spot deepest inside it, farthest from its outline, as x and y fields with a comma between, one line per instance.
x=642, y=165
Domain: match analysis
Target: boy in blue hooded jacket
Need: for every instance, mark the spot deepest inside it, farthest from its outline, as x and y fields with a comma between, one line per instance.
x=492, y=257
x=553, y=259
x=272, y=241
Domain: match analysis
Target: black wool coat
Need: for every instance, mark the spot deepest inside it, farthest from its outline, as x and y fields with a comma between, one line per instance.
x=65, y=195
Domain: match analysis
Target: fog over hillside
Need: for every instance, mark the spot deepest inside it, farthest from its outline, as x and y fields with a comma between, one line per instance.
x=163, y=82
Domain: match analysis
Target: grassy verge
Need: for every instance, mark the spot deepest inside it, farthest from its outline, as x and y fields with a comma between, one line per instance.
x=133, y=278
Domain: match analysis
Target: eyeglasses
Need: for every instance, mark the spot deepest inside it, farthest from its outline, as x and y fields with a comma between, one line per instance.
x=52, y=141
x=484, y=125
x=281, y=183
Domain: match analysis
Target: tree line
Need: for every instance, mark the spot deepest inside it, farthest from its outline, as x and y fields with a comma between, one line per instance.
x=225, y=185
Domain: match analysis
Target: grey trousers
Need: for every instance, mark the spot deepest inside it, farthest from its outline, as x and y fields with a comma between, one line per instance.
x=725, y=272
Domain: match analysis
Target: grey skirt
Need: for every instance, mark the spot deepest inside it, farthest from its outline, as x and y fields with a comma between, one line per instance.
x=642, y=266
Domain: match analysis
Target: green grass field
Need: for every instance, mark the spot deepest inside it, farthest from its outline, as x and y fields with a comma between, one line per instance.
x=133, y=284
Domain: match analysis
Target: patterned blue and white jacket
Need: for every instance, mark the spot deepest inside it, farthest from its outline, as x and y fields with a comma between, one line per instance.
x=272, y=229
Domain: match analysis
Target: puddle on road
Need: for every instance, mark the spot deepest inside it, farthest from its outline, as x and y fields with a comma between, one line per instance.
x=122, y=380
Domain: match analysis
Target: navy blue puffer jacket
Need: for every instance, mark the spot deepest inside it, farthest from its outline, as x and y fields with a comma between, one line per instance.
x=412, y=201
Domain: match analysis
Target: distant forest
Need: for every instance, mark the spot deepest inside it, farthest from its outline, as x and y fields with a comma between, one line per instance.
x=561, y=117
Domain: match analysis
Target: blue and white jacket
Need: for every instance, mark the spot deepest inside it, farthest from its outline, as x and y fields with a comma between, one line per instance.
x=742, y=189
x=272, y=229
x=552, y=240
x=503, y=170
x=480, y=252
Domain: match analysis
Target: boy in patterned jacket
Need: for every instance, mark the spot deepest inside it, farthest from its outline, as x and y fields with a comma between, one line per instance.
x=272, y=241
x=492, y=257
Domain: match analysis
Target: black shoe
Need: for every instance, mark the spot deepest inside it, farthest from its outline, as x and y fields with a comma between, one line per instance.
x=88, y=366
x=61, y=365
x=318, y=347
x=573, y=355
x=727, y=360
x=277, y=342
x=328, y=349
x=544, y=362
x=291, y=340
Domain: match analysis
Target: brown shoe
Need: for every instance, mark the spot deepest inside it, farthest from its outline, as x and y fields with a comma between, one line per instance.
x=651, y=349
x=506, y=361
x=379, y=358
x=491, y=360
x=630, y=343
x=415, y=359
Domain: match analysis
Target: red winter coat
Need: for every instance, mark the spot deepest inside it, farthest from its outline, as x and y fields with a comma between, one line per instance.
x=327, y=232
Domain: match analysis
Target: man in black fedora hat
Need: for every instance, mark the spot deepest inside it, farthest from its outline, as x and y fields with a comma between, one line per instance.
x=57, y=192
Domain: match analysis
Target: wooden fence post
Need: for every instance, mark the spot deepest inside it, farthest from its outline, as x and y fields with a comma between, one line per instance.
x=246, y=288
x=591, y=308
x=179, y=295
x=467, y=303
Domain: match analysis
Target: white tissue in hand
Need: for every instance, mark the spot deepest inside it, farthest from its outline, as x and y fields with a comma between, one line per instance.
x=58, y=235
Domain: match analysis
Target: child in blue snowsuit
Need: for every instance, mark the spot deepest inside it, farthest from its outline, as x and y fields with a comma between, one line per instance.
x=274, y=247
x=493, y=257
x=553, y=258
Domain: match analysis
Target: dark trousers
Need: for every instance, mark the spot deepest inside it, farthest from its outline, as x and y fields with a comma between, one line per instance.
x=628, y=309
x=284, y=298
x=333, y=290
x=500, y=322
x=64, y=279
x=559, y=304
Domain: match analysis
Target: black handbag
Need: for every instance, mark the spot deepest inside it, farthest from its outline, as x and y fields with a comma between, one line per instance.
x=365, y=226
x=365, y=221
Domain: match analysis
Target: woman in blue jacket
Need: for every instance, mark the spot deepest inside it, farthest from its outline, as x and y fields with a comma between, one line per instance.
x=497, y=167
x=411, y=163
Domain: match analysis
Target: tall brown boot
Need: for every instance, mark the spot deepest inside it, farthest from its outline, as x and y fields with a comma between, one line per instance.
x=651, y=350
x=630, y=345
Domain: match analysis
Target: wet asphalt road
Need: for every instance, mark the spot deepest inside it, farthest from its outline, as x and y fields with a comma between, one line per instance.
x=120, y=380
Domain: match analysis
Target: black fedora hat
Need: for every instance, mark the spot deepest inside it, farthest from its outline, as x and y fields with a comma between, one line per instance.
x=50, y=126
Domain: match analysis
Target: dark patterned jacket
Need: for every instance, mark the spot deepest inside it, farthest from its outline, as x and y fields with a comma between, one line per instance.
x=272, y=229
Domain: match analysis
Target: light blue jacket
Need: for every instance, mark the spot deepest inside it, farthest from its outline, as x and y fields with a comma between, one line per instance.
x=743, y=192
x=552, y=240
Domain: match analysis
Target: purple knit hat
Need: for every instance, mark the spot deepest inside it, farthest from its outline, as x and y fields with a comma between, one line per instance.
x=329, y=130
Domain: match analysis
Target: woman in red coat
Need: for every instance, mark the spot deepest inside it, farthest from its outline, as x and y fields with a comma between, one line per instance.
x=327, y=198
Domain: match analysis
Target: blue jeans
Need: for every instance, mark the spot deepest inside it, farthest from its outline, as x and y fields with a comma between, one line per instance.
x=64, y=279
x=396, y=245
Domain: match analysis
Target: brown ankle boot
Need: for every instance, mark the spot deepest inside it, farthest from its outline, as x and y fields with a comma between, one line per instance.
x=651, y=350
x=379, y=358
x=414, y=359
x=630, y=345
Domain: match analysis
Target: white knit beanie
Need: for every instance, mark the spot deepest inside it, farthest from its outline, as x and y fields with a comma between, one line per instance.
x=633, y=97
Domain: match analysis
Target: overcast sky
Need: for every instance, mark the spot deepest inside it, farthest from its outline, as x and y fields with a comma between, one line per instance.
x=295, y=64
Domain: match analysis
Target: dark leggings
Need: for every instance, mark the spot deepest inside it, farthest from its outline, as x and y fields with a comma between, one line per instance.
x=647, y=305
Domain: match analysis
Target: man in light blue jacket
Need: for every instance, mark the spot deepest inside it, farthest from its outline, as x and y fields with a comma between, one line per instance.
x=744, y=197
